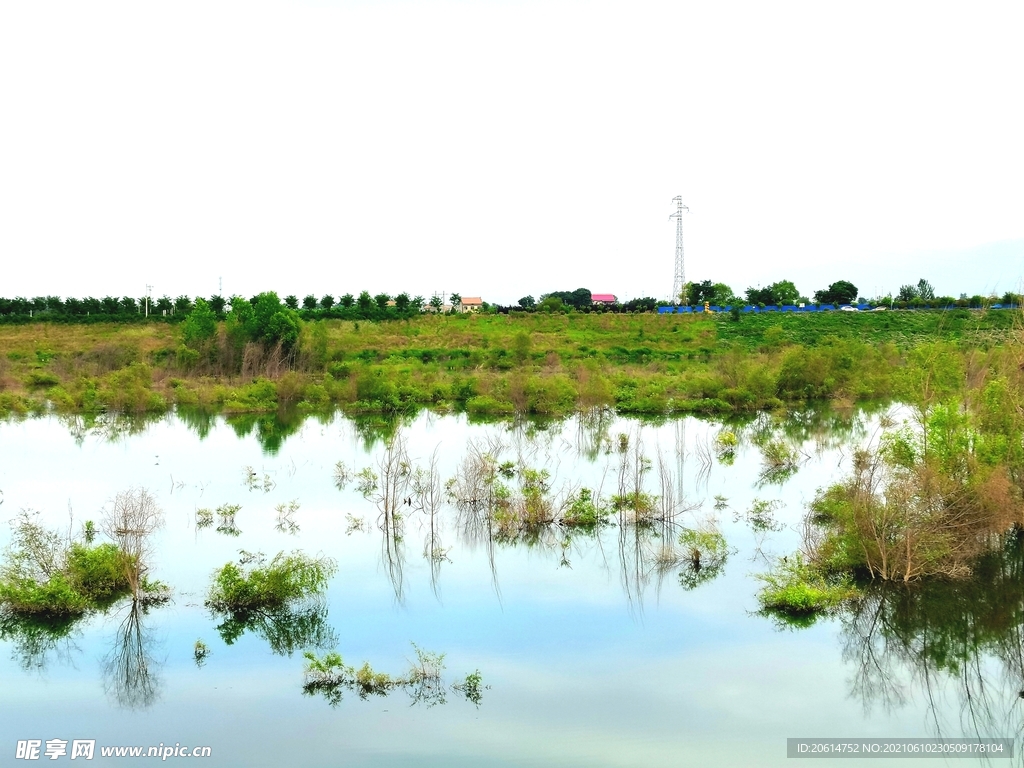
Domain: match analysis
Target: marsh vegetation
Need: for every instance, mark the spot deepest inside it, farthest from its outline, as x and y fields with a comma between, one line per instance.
x=609, y=532
x=486, y=366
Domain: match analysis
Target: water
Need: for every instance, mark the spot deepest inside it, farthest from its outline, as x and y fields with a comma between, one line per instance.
x=592, y=654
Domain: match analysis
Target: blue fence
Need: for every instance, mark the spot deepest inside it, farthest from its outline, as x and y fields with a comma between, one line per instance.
x=668, y=310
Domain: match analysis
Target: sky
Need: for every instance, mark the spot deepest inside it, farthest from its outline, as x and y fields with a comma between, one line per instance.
x=500, y=148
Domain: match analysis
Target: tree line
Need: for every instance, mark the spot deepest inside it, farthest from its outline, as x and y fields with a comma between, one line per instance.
x=580, y=300
x=363, y=306
x=784, y=292
x=383, y=306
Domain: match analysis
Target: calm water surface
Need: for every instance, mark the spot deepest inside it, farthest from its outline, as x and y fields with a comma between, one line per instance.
x=593, y=654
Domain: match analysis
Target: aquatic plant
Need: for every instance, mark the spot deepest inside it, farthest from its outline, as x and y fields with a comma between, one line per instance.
x=281, y=601
x=706, y=553
x=779, y=462
x=925, y=501
x=329, y=676
x=342, y=476
x=725, y=446
x=286, y=517
x=760, y=516
x=583, y=510
x=200, y=652
x=48, y=574
x=796, y=592
x=226, y=514
x=472, y=687
x=286, y=579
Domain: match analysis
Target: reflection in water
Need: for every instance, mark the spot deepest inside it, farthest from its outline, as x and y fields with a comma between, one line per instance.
x=108, y=426
x=286, y=630
x=271, y=429
x=374, y=429
x=35, y=640
x=198, y=420
x=940, y=633
x=129, y=669
x=331, y=678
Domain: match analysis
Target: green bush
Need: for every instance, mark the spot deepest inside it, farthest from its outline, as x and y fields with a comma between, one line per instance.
x=288, y=578
x=797, y=589
x=45, y=574
x=42, y=379
x=98, y=572
x=583, y=510
x=487, y=406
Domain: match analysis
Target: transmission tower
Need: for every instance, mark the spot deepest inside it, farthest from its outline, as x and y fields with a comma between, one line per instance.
x=680, y=276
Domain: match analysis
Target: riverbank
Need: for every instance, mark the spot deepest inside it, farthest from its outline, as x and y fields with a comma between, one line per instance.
x=500, y=365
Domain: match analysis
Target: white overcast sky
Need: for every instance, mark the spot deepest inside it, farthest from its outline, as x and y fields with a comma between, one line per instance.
x=503, y=148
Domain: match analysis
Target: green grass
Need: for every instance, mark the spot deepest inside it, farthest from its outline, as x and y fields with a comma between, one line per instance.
x=498, y=365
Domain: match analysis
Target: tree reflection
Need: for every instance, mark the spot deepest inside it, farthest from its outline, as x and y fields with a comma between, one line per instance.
x=373, y=429
x=199, y=420
x=271, y=429
x=946, y=633
x=108, y=426
x=129, y=669
x=286, y=630
x=36, y=639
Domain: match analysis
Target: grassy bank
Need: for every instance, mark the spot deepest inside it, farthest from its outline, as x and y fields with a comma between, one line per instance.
x=499, y=365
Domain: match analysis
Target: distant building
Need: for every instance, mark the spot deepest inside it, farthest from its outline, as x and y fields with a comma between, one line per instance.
x=471, y=304
x=603, y=298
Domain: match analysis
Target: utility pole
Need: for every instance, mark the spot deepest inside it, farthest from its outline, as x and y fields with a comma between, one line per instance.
x=149, y=289
x=680, y=271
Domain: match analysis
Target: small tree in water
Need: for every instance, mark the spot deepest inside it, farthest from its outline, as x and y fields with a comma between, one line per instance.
x=130, y=522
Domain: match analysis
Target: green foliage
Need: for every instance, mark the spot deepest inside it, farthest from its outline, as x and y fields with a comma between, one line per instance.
x=97, y=572
x=778, y=293
x=706, y=553
x=795, y=591
x=841, y=292
x=472, y=687
x=286, y=579
x=717, y=294
x=280, y=601
x=200, y=652
x=264, y=320
x=46, y=574
x=200, y=325
x=579, y=298
x=583, y=510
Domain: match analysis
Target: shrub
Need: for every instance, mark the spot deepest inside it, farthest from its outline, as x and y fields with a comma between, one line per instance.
x=288, y=578
x=796, y=589
x=582, y=510
x=706, y=553
x=46, y=574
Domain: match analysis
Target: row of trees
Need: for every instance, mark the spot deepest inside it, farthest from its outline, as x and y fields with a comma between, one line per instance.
x=840, y=292
x=381, y=306
x=580, y=300
x=362, y=306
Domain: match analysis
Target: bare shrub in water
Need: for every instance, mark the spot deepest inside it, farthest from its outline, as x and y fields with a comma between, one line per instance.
x=130, y=523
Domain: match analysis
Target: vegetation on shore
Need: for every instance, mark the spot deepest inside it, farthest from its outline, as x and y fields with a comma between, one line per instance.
x=264, y=358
